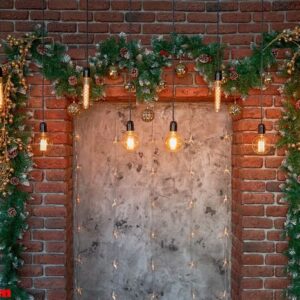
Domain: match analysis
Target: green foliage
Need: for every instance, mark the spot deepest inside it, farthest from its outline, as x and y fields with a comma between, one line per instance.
x=144, y=67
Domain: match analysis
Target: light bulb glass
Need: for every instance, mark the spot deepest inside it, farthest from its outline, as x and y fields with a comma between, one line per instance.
x=218, y=91
x=1, y=94
x=173, y=141
x=130, y=140
x=260, y=145
x=43, y=142
x=86, y=92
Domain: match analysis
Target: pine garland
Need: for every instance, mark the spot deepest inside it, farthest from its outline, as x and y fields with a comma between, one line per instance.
x=145, y=68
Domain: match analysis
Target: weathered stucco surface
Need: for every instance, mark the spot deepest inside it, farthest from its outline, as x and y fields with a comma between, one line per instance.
x=107, y=172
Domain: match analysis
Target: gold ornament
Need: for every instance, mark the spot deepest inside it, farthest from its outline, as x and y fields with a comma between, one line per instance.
x=148, y=114
x=161, y=86
x=130, y=87
x=73, y=109
x=5, y=173
x=268, y=79
x=113, y=73
x=234, y=109
x=181, y=70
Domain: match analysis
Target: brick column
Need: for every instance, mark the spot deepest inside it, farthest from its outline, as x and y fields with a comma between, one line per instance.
x=257, y=212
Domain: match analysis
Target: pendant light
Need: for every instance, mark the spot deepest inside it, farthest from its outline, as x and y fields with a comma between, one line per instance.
x=218, y=74
x=86, y=70
x=43, y=124
x=130, y=139
x=260, y=144
x=173, y=141
x=1, y=91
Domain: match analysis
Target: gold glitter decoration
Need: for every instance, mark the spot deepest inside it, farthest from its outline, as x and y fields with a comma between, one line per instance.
x=113, y=73
x=181, y=70
x=73, y=109
x=148, y=115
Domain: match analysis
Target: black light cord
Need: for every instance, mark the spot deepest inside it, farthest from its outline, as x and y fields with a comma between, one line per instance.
x=261, y=61
x=87, y=34
x=218, y=34
x=173, y=77
x=43, y=54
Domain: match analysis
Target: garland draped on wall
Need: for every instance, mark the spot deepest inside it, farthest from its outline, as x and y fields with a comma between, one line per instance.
x=145, y=67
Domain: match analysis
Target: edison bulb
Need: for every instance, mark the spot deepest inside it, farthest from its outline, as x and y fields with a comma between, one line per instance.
x=86, y=88
x=1, y=92
x=43, y=142
x=218, y=90
x=260, y=144
x=130, y=140
x=173, y=140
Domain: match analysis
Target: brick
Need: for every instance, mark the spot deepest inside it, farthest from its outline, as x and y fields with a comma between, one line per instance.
x=286, y=5
x=157, y=28
x=61, y=5
x=55, y=199
x=55, y=223
x=13, y=15
x=51, y=163
x=6, y=4
x=250, y=198
x=168, y=17
x=276, y=211
x=51, y=187
x=95, y=4
x=292, y=16
x=273, y=186
x=251, y=28
x=280, y=272
x=257, y=222
x=190, y=28
x=224, y=29
x=274, y=113
x=236, y=17
x=157, y=5
x=273, y=162
x=142, y=17
x=281, y=247
x=125, y=5
x=276, y=259
x=229, y=6
x=252, y=186
x=29, y=4
x=256, y=295
x=46, y=283
x=6, y=26
x=253, y=6
x=55, y=271
x=26, y=283
x=31, y=271
x=274, y=235
x=253, y=234
x=57, y=175
x=56, y=294
x=44, y=211
x=56, y=247
x=251, y=210
x=49, y=259
x=33, y=246
x=109, y=17
x=94, y=28
x=49, y=15
x=62, y=27
x=279, y=223
x=122, y=27
x=35, y=223
x=269, y=17
x=276, y=283
x=197, y=17
x=257, y=271
x=261, y=247
x=251, y=283
x=189, y=6
x=48, y=235
x=257, y=174
x=252, y=259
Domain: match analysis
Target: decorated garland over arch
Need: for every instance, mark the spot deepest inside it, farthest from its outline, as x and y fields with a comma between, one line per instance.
x=145, y=67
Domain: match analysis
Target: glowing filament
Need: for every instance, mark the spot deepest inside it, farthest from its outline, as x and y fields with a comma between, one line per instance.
x=115, y=264
x=43, y=142
x=130, y=140
x=114, y=296
x=86, y=92
x=217, y=95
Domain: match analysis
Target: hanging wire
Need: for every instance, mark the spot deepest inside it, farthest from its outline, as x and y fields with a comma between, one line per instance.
x=261, y=61
x=43, y=44
x=218, y=34
x=129, y=39
x=87, y=34
x=173, y=77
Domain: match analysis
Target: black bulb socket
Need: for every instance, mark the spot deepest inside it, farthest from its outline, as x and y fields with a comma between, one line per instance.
x=1, y=72
x=218, y=76
x=43, y=127
x=130, y=126
x=173, y=126
x=86, y=72
x=261, y=128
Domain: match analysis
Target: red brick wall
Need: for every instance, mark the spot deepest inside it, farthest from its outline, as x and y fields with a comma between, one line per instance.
x=257, y=214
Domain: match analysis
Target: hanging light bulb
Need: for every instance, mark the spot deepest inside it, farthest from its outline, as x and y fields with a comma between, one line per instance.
x=130, y=139
x=1, y=91
x=218, y=90
x=86, y=88
x=44, y=139
x=260, y=144
x=173, y=140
